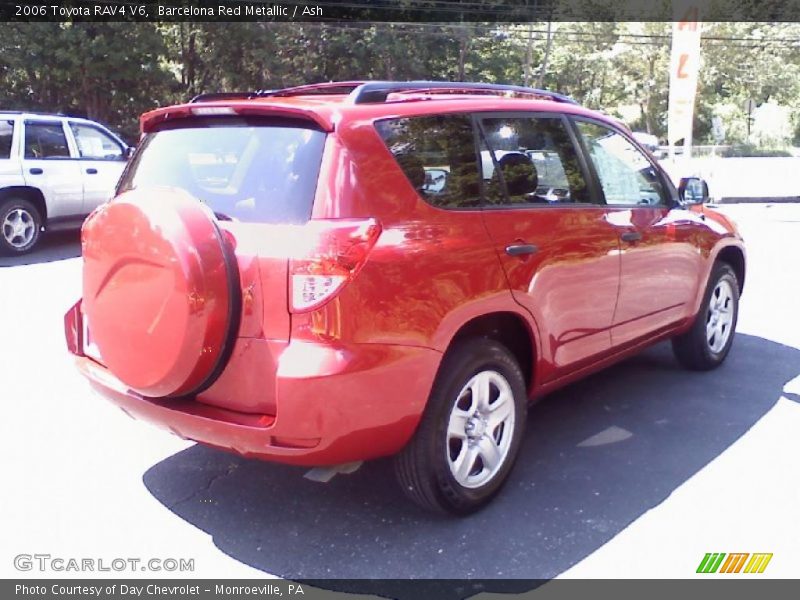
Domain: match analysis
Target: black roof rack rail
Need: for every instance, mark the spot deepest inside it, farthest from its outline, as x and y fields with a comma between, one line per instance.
x=366, y=92
x=378, y=91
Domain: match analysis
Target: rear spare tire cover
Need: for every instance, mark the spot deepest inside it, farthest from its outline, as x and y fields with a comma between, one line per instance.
x=160, y=291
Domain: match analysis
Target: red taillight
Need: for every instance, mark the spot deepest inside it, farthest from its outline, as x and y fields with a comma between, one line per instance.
x=333, y=252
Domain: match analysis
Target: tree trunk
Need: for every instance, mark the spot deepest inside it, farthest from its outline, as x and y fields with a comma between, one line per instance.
x=543, y=70
x=528, y=57
x=463, y=47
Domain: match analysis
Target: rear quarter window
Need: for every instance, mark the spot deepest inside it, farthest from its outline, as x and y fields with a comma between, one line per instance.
x=252, y=170
x=6, y=135
x=437, y=154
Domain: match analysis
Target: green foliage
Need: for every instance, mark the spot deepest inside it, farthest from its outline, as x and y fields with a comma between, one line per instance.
x=105, y=71
x=112, y=72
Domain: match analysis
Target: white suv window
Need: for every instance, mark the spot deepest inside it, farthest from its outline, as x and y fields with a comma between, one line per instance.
x=6, y=134
x=45, y=140
x=95, y=144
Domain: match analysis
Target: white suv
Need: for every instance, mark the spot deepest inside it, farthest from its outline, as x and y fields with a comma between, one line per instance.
x=54, y=170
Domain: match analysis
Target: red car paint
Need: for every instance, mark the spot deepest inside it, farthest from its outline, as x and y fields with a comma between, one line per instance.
x=349, y=379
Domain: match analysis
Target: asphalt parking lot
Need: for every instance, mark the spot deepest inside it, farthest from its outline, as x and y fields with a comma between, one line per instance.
x=635, y=472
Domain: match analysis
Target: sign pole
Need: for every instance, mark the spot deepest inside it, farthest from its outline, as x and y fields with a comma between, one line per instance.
x=749, y=107
x=683, y=72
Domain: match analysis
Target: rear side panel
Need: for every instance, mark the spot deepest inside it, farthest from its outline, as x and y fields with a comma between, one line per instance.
x=431, y=269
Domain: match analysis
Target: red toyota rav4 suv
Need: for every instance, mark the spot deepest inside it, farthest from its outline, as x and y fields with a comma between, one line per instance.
x=339, y=272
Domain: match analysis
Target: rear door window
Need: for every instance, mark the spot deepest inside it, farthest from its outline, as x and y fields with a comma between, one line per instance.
x=246, y=169
x=6, y=135
x=437, y=154
x=530, y=160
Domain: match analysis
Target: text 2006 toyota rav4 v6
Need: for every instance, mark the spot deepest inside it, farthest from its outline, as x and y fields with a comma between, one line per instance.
x=345, y=271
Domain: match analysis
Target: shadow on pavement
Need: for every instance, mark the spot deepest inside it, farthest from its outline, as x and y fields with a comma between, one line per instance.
x=58, y=245
x=562, y=502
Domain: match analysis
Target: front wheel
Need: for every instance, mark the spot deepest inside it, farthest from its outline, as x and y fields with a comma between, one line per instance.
x=707, y=343
x=470, y=434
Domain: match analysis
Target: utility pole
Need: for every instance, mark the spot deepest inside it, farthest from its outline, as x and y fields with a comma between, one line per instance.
x=749, y=107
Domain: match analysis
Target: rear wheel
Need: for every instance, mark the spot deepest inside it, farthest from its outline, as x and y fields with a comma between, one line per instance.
x=469, y=436
x=708, y=342
x=20, y=226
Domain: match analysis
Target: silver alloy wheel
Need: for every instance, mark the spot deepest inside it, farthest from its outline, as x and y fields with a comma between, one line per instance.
x=480, y=429
x=19, y=228
x=719, y=319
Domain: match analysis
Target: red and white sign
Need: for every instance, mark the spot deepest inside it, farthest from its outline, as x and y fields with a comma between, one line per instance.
x=683, y=68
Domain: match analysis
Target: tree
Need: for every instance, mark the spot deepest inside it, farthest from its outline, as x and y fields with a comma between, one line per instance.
x=114, y=71
x=109, y=72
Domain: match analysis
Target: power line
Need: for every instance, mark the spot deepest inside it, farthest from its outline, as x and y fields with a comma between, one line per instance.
x=408, y=29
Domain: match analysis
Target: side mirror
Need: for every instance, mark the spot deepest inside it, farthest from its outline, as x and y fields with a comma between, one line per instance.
x=693, y=190
x=128, y=152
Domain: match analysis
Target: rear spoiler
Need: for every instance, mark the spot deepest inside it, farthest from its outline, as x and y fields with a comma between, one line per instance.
x=240, y=106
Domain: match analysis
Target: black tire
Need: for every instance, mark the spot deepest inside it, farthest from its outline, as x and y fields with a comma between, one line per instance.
x=18, y=210
x=423, y=468
x=693, y=349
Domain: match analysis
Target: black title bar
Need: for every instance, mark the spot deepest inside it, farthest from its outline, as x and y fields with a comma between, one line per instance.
x=397, y=589
x=435, y=11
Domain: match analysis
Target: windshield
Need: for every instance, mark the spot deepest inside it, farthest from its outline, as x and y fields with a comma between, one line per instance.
x=252, y=170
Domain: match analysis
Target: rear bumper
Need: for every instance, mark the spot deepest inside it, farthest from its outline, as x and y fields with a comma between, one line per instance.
x=333, y=404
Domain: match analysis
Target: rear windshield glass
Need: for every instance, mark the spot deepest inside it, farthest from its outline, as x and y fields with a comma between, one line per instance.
x=252, y=170
x=6, y=133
